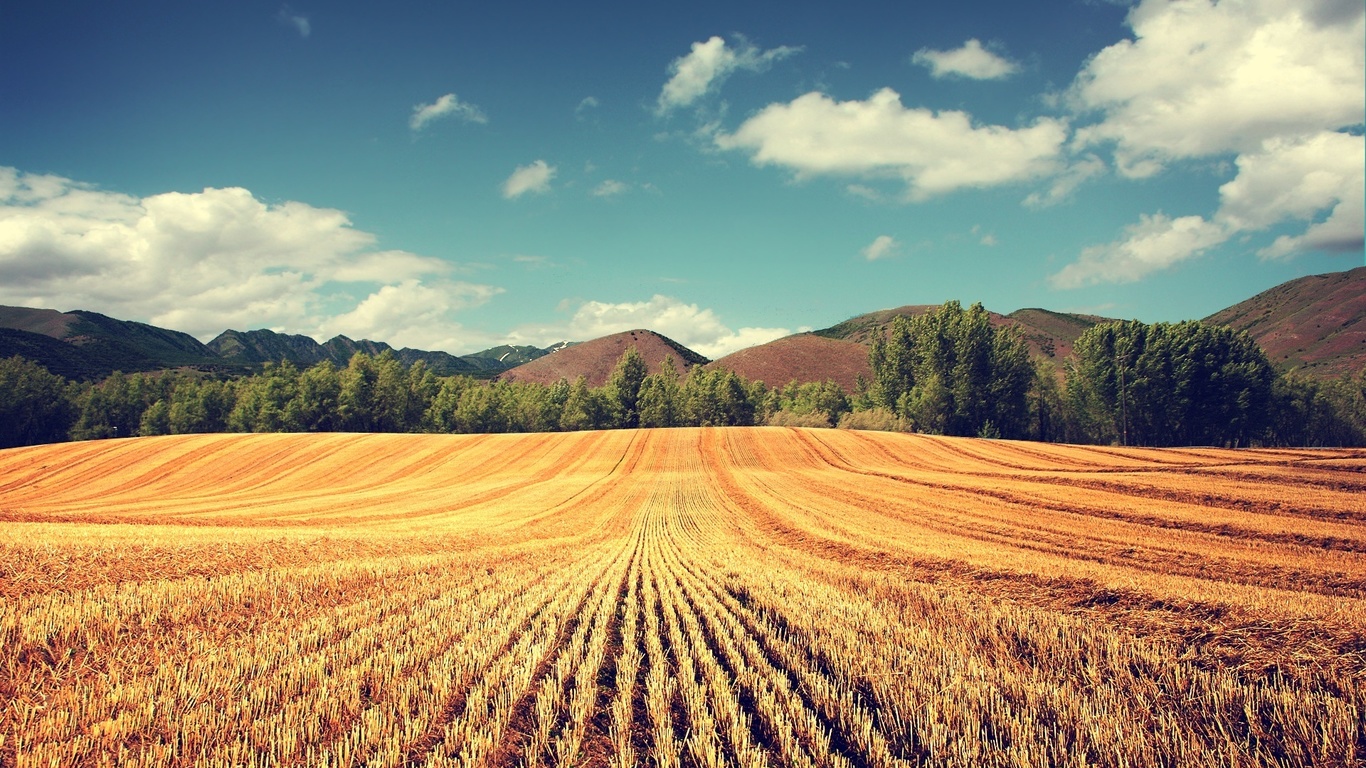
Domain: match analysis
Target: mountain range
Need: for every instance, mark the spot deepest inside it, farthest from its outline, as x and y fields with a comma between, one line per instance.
x=1315, y=324
x=88, y=345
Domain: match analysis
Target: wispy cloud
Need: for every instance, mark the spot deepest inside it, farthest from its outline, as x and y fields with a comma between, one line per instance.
x=289, y=17
x=448, y=105
x=882, y=247
x=972, y=61
x=586, y=106
x=611, y=188
x=708, y=65
x=529, y=179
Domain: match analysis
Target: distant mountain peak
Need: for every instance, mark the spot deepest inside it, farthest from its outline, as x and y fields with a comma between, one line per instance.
x=595, y=359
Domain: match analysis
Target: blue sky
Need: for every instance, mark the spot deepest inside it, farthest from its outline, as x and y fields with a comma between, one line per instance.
x=455, y=176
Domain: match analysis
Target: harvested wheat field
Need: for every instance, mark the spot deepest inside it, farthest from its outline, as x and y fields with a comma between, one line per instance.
x=688, y=597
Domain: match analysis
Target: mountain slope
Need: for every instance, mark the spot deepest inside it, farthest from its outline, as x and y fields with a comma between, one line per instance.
x=264, y=346
x=101, y=344
x=1316, y=324
x=505, y=356
x=803, y=357
x=594, y=360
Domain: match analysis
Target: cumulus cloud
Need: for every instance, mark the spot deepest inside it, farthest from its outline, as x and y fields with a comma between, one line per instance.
x=708, y=65
x=201, y=262
x=933, y=152
x=529, y=179
x=1282, y=182
x=448, y=105
x=298, y=21
x=1156, y=242
x=1202, y=78
x=1295, y=181
x=693, y=327
x=412, y=313
x=1271, y=83
x=881, y=247
x=971, y=61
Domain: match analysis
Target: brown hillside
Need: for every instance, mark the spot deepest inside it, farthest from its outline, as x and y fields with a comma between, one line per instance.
x=804, y=357
x=594, y=360
x=1316, y=324
x=1050, y=334
x=48, y=322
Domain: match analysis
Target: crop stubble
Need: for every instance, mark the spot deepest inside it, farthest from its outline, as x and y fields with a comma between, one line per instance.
x=689, y=597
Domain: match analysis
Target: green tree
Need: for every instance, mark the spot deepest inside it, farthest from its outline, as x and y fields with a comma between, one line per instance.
x=951, y=371
x=36, y=406
x=264, y=400
x=1318, y=413
x=658, y=403
x=624, y=386
x=441, y=414
x=113, y=407
x=317, y=399
x=1169, y=384
x=481, y=410
x=156, y=420
x=715, y=397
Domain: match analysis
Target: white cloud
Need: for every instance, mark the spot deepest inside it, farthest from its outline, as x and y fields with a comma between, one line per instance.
x=448, y=105
x=881, y=247
x=1296, y=180
x=934, y=153
x=200, y=262
x=610, y=188
x=533, y=179
x=1269, y=82
x=412, y=314
x=971, y=61
x=708, y=65
x=288, y=17
x=382, y=266
x=1066, y=182
x=864, y=191
x=1155, y=243
x=1284, y=181
x=1204, y=78
x=693, y=327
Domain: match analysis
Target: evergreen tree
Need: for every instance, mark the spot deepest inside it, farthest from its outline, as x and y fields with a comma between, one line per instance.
x=658, y=403
x=624, y=386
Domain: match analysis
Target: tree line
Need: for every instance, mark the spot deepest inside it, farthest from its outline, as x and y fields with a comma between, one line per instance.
x=949, y=371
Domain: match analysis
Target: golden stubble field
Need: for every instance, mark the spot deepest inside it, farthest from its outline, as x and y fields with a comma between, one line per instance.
x=685, y=597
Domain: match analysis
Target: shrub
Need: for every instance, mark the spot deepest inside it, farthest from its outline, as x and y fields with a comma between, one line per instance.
x=790, y=419
x=876, y=419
